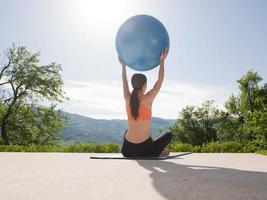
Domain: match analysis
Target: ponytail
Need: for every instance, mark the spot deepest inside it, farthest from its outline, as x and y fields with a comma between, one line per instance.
x=138, y=81
x=134, y=103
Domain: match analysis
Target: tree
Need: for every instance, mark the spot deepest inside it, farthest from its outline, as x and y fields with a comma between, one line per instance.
x=249, y=88
x=197, y=125
x=36, y=125
x=24, y=82
x=248, y=109
x=245, y=120
x=229, y=129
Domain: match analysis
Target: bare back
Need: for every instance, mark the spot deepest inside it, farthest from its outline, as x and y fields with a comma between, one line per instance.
x=139, y=131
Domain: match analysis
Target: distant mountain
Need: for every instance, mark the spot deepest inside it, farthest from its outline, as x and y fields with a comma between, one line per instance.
x=85, y=129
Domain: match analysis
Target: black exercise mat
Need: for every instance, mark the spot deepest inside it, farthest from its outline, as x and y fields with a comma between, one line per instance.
x=120, y=156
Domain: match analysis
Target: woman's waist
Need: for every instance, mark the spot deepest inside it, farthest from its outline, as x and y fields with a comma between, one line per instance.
x=137, y=133
x=136, y=138
x=139, y=128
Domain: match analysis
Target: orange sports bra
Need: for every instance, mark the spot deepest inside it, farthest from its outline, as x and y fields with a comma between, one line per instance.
x=144, y=113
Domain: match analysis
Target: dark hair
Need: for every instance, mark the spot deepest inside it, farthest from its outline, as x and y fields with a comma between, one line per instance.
x=138, y=81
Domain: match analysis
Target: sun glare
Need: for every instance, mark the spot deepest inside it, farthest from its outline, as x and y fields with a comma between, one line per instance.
x=101, y=14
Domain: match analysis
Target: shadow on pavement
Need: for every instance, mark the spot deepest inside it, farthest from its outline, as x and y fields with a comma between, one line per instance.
x=177, y=181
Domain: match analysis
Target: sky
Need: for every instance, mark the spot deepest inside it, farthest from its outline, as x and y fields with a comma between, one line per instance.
x=212, y=44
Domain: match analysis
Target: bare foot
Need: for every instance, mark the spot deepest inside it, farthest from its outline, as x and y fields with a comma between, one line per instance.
x=165, y=152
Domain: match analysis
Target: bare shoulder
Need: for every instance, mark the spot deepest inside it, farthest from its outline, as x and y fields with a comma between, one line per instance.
x=147, y=101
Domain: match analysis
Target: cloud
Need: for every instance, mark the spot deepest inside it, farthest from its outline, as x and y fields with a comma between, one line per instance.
x=104, y=99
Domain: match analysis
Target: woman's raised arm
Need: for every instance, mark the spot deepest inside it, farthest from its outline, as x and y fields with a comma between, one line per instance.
x=154, y=91
x=126, y=91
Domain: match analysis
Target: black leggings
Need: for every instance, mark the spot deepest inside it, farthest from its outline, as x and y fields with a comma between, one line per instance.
x=147, y=148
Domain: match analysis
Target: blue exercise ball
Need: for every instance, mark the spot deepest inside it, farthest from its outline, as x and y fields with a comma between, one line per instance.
x=140, y=41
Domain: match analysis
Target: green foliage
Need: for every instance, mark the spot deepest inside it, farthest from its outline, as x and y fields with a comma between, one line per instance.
x=229, y=130
x=23, y=119
x=198, y=125
x=249, y=148
x=40, y=125
x=231, y=147
x=244, y=122
x=260, y=141
x=249, y=88
x=256, y=124
x=263, y=152
x=77, y=148
x=183, y=147
x=31, y=78
x=211, y=147
x=196, y=149
x=214, y=147
x=248, y=110
x=11, y=148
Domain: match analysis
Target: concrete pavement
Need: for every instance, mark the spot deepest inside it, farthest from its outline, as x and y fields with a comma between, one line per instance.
x=39, y=176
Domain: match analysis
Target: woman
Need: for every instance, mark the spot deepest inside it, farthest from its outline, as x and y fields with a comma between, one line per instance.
x=137, y=140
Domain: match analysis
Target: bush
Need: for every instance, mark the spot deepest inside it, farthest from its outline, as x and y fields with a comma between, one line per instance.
x=231, y=147
x=83, y=147
x=183, y=147
x=211, y=147
x=263, y=152
x=215, y=147
x=196, y=149
x=249, y=148
x=11, y=148
x=31, y=148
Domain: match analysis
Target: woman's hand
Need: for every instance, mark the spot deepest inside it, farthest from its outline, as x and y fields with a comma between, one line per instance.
x=164, y=54
x=121, y=62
